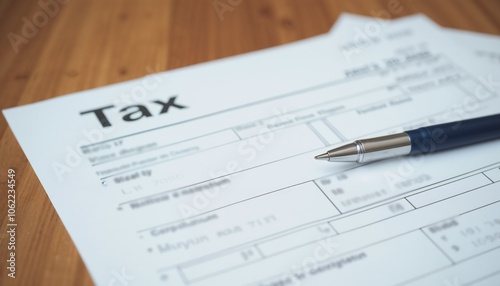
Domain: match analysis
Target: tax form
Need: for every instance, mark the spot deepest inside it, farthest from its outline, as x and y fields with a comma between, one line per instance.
x=205, y=175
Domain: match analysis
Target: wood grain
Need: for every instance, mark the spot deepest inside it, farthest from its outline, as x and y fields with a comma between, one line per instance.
x=93, y=43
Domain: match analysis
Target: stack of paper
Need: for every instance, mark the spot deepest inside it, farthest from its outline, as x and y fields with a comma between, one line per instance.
x=205, y=175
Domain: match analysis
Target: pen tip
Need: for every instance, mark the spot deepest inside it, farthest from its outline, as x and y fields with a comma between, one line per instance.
x=323, y=157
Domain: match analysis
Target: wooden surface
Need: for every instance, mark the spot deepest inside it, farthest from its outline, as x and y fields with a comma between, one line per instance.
x=91, y=43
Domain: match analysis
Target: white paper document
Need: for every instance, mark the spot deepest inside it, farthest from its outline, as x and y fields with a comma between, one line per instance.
x=205, y=175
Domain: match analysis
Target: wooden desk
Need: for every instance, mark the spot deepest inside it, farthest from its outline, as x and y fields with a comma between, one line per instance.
x=91, y=43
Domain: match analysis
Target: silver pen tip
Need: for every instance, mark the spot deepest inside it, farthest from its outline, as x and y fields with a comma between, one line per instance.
x=324, y=156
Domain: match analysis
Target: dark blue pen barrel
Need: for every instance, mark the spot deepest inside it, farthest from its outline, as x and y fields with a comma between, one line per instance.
x=450, y=135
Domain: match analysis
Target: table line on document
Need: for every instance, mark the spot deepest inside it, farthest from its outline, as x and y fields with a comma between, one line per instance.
x=333, y=128
x=392, y=127
x=471, y=190
x=324, y=117
x=365, y=246
x=345, y=253
x=259, y=251
x=384, y=87
x=436, y=245
x=226, y=175
x=183, y=277
x=232, y=129
x=301, y=227
x=423, y=188
x=450, y=266
x=328, y=198
x=488, y=177
x=368, y=208
x=450, y=181
x=342, y=216
x=218, y=131
x=256, y=120
x=256, y=244
x=321, y=137
x=304, y=90
x=453, y=263
x=179, y=269
x=471, y=210
x=410, y=203
x=482, y=278
x=382, y=203
x=296, y=229
x=302, y=109
x=418, y=277
x=399, y=197
x=470, y=74
x=238, y=135
x=231, y=142
x=270, y=237
x=375, y=204
x=319, y=86
x=222, y=207
x=168, y=145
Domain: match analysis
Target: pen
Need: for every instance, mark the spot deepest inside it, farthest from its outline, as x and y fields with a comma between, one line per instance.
x=418, y=141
